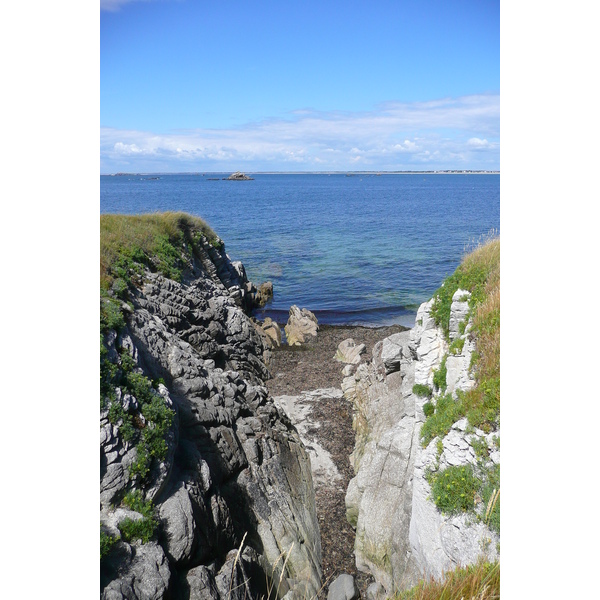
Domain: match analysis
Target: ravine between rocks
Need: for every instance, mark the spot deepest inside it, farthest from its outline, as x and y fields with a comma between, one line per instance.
x=297, y=369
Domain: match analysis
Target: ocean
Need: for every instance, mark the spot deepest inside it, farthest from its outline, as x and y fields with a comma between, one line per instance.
x=359, y=249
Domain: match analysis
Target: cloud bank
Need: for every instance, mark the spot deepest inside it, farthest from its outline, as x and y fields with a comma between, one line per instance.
x=451, y=133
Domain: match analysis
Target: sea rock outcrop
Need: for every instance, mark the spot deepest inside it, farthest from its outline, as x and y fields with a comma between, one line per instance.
x=302, y=326
x=401, y=535
x=238, y=176
x=227, y=485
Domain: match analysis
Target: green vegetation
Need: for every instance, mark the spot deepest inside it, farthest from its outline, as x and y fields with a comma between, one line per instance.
x=453, y=489
x=457, y=346
x=162, y=242
x=423, y=391
x=439, y=376
x=148, y=434
x=141, y=529
x=106, y=543
x=468, y=488
x=480, y=581
x=447, y=412
x=490, y=494
x=473, y=489
x=474, y=273
x=478, y=273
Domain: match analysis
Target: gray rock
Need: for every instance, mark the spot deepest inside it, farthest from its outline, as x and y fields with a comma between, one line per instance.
x=343, y=588
x=376, y=592
x=146, y=577
x=177, y=516
x=233, y=460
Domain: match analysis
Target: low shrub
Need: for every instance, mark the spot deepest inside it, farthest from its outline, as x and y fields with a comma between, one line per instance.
x=141, y=529
x=107, y=541
x=453, y=489
x=421, y=390
x=447, y=412
x=428, y=409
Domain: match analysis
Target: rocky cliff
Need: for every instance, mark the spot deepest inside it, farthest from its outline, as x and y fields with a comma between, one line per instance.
x=205, y=486
x=425, y=496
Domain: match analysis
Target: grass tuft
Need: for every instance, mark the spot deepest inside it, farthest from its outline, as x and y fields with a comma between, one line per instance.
x=480, y=581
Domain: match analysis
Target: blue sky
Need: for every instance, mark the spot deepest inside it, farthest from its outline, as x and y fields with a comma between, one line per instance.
x=188, y=85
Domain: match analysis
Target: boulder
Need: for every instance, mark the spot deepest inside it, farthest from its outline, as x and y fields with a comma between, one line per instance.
x=272, y=329
x=349, y=352
x=343, y=588
x=302, y=326
x=146, y=575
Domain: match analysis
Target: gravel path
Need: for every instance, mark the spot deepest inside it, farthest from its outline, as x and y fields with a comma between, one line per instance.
x=307, y=368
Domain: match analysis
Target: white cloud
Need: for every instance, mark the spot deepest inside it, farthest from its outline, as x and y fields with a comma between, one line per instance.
x=115, y=5
x=448, y=133
x=477, y=143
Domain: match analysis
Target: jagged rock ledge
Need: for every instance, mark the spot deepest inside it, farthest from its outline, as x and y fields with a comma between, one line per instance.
x=221, y=504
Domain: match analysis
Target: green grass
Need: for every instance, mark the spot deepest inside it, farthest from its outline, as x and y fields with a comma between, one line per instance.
x=479, y=273
x=439, y=376
x=473, y=274
x=447, y=412
x=162, y=242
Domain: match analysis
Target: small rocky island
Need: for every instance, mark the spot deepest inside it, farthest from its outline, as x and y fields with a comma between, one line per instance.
x=238, y=176
x=337, y=463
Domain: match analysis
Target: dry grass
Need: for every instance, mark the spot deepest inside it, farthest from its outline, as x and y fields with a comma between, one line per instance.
x=476, y=582
x=483, y=402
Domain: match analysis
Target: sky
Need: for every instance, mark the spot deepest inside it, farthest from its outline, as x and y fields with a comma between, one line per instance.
x=191, y=85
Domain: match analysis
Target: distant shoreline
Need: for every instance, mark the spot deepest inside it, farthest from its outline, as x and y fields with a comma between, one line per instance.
x=350, y=173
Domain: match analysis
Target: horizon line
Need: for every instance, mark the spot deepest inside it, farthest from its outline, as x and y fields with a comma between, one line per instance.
x=371, y=172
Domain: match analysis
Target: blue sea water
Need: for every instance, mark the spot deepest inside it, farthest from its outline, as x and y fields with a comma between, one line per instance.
x=362, y=249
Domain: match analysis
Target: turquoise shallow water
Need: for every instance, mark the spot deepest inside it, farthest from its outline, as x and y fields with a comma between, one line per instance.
x=361, y=249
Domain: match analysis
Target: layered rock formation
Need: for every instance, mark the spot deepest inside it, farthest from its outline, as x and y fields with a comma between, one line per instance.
x=401, y=535
x=302, y=326
x=227, y=485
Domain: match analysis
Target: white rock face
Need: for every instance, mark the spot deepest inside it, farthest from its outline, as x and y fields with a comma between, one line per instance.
x=458, y=311
x=430, y=345
x=400, y=533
